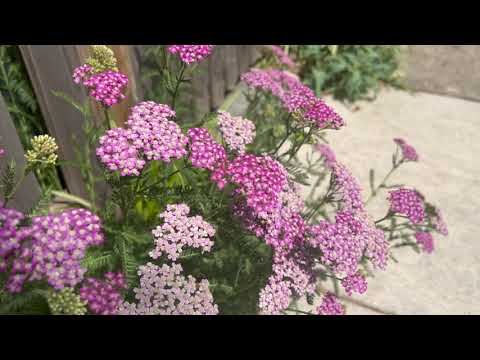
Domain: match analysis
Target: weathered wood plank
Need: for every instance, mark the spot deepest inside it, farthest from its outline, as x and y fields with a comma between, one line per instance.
x=200, y=91
x=231, y=67
x=29, y=191
x=243, y=58
x=216, y=75
x=50, y=69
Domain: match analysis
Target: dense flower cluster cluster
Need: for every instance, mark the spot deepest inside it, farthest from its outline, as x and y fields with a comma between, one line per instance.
x=151, y=132
x=43, y=152
x=102, y=59
x=191, y=53
x=296, y=97
x=347, y=188
x=106, y=87
x=236, y=131
x=275, y=296
x=205, y=152
x=355, y=283
x=425, y=239
x=165, y=291
x=180, y=230
x=117, y=152
x=103, y=297
x=330, y=306
x=408, y=152
x=407, y=202
x=51, y=248
x=327, y=153
x=66, y=302
x=282, y=56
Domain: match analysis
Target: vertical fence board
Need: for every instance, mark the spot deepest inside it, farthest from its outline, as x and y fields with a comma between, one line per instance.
x=200, y=91
x=216, y=75
x=50, y=68
x=29, y=191
x=243, y=58
x=231, y=66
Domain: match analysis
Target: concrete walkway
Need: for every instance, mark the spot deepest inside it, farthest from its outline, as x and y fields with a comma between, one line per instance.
x=445, y=132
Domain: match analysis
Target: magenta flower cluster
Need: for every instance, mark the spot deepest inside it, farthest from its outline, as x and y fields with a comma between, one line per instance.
x=347, y=189
x=236, y=131
x=107, y=87
x=327, y=153
x=151, y=132
x=408, y=152
x=282, y=56
x=103, y=297
x=205, y=153
x=166, y=291
x=425, y=240
x=51, y=248
x=191, y=53
x=439, y=222
x=407, y=202
x=330, y=306
x=117, y=153
x=180, y=230
x=355, y=283
x=275, y=296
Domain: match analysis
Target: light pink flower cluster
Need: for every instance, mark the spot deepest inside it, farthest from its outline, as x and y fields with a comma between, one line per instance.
x=106, y=87
x=439, y=222
x=407, y=202
x=103, y=297
x=262, y=79
x=275, y=296
x=236, y=131
x=180, y=230
x=322, y=115
x=165, y=291
x=330, y=306
x=151, y=132
x=355, y=283
x=117, y=152
x=408, y=152
x=205, y=153
x=296, y=269
x=282, y=56
x=191, y=53
x=327, y=153
x=51, y=248
x=425, y=239
x=347, y=188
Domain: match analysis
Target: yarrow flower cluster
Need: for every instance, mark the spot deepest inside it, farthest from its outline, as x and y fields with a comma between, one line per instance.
x=275, y=296
x=66, y=302
x=407, y=202
x=236, y=131
x=330, y=306
x=43, y=152
x=165, y=291
x=327, y=153
x=408, y=152
x=425, y=239
x=205, y=153
x=103, y=297
x=102, y=59
x=51, y=248
x=151, y=132
x=117, y=152
x=191, y=53
x=355, y=283
x=347, y=188
x=282, y=56
x=180, y=230
x=438, y=221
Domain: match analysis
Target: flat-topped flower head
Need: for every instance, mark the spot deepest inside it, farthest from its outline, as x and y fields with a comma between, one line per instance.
x=117, y=152
x=190, y=54
x=330, y=306
x=164, y=290
x=322, y=115
x=408, y=152
x=102, y=58
x=282, y=56
x=236, y=131
x=425, y=240
x=355, y=283
x=275, y=296
x=66, y=302
x=151, y=131
x=179, y=231
x=43, y=152
x=347, y=188
x=205, y=152
x=409, y=203
x=103, y=297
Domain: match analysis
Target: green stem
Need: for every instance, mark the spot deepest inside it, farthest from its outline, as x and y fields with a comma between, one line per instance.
x=162, y=179
x=385, y=179
x=299, y=311
x=110, y=123
x=16, y=187
x=287, y=124
x=177, y=85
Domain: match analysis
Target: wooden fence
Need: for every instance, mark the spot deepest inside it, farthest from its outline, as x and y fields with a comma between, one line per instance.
x=50, y=67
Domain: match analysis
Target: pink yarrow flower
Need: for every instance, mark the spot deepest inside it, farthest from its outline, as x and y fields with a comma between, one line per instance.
x=191, y=53
x=282, y=56
x=409, y=203
x=103, y=297
x=330, y=306
x=355, y=283
x=425, y=239
x=327, y=153
x=408, y=152
x=236, y=131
